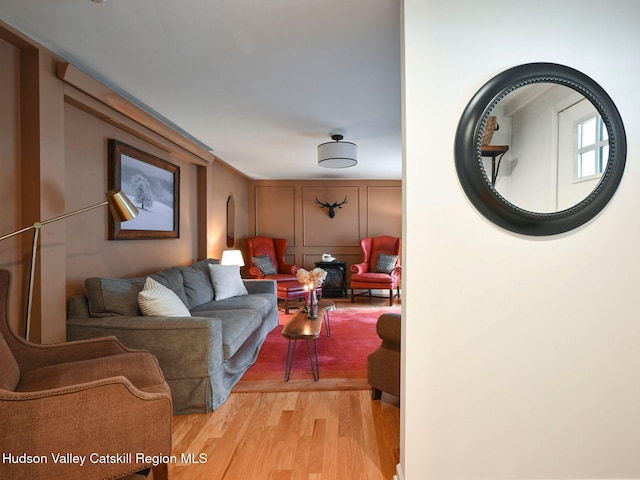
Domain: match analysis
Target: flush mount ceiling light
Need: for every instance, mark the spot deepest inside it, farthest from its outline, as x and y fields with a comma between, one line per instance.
x=337, y=154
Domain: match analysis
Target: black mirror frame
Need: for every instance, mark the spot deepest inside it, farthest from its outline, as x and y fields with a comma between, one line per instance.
x=472, y=174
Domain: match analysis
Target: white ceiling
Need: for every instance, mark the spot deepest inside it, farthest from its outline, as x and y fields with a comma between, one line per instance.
x=260, y=82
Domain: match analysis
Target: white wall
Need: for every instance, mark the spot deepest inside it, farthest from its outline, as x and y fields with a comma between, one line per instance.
x=521, y=354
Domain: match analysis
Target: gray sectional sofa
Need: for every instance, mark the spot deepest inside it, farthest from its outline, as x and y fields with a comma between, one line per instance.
x=202, y=356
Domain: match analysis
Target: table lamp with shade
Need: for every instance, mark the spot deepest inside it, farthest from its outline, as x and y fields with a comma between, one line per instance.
x=232, y=257
x=122, y=210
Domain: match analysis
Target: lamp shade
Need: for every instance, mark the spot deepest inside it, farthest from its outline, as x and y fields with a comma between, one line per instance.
x=232, y=257
x=337, y=154
x=121, y=207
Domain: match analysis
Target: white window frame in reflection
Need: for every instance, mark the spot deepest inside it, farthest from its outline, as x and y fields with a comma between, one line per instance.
x=591, y=148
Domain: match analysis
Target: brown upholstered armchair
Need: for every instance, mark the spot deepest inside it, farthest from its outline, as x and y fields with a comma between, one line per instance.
x=266, y=255
x=380, y=269
x=383, y=365
x=90, y=398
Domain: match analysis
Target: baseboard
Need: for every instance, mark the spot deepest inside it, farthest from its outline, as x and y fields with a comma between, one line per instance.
x=399, y=475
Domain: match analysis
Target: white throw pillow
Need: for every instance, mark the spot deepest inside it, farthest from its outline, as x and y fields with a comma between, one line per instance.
x=156, y=300
x=226, y=281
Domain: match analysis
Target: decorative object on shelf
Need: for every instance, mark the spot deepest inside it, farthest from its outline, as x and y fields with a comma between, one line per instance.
x=232, y=257
x=331, y=206
x=154, y=186
x=327, y=257
x=492, y=126
x=337, y=154
x=121, y=209
x=311, y=280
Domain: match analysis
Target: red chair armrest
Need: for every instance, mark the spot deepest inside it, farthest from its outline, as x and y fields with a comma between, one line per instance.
x=287, y=268
x=255, y=272
x=397, y=270
x=360, y=268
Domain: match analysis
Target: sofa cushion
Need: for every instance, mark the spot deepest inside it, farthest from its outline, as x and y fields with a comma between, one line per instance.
x=262, y=302
x=172, y=279
x=197, y=285
x=226, y=281
x=113, y=296
x=156, y=300
x=237, y=326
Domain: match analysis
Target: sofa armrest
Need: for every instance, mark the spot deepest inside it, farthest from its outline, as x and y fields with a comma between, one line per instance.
x=260, y=285
x=184, y=346
x=389, y=330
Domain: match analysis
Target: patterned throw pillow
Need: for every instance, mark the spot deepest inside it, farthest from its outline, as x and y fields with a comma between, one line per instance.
x=156, y=300
x=264, y=264
x=386, y=263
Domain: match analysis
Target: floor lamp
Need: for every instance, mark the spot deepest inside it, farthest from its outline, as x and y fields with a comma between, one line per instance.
x=122, y=210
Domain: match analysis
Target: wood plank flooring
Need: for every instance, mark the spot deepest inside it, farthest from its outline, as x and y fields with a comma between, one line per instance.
x=327, y=434
x=316, y=435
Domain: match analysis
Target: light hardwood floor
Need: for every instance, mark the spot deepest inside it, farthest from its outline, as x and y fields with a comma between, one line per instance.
x=291, y=435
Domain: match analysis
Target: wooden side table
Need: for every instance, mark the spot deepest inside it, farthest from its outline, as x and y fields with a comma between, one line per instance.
x=335, y=285
x=301, y=327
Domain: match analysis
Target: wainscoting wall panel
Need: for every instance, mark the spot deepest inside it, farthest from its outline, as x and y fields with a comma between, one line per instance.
x=288, y=209
x=343, y=230
x=274, y=212
x=382, y=211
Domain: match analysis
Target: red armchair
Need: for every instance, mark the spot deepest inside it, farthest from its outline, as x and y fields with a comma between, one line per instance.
x=380, y=268
x=275, y=249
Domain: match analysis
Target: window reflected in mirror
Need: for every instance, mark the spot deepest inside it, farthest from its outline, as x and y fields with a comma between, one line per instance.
x=554, y=144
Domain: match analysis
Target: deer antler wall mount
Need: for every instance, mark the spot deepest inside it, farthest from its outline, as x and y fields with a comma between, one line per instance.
x=331, y=206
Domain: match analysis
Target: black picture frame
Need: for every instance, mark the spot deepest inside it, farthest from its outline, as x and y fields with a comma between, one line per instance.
x=479, y=188
x=144, y=178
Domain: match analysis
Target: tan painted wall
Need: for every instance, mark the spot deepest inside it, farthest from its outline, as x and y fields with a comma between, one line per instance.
x=288, y=209
x=520, y=354
x=10, y=258
x=53, y=155
x=88, y=251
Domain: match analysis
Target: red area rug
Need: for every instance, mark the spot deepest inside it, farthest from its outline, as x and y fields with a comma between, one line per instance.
x=342, y=356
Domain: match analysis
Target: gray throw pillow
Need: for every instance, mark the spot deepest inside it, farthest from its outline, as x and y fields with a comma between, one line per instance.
x=113, y=296
x=386, y=263
x=197, y=286
x=264, y=264
x=226, y=281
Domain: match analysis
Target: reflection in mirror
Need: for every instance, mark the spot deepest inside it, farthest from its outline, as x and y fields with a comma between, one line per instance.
x=550, y=150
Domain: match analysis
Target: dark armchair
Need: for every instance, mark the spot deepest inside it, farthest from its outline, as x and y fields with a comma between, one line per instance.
x=266, y=257
x=90, y=398
x=383, y=365
x=380, y=268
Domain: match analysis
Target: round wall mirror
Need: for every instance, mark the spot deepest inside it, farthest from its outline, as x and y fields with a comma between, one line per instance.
x=540, y=149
